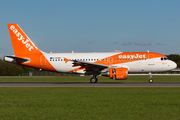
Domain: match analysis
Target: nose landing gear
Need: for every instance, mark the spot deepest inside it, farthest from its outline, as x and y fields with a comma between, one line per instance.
x=150, y=78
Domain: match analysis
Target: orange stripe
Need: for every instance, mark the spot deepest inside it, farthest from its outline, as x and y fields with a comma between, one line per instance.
x=126, y=57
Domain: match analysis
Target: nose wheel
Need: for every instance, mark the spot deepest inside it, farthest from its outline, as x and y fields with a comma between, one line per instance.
x=150, y=78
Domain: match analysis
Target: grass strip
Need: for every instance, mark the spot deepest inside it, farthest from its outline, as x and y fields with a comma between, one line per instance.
x=90, y=103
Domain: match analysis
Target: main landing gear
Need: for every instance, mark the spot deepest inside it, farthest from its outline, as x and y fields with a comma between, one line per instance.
x=150, y=78
x=93, y=79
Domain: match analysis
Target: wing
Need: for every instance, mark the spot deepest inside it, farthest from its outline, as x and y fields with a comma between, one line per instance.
x=88, y=66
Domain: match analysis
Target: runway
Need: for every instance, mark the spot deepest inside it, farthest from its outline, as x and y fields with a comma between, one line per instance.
x=89, y=84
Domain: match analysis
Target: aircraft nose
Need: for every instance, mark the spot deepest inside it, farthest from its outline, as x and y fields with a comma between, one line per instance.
x=173, y=65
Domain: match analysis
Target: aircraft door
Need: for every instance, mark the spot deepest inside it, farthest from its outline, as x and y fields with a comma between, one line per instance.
x=151, y=59
x=42, y=60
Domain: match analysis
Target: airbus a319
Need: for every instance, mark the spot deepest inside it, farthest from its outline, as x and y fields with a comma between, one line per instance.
x=113, y=65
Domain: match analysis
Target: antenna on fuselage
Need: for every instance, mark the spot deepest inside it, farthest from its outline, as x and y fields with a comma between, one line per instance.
x=147, y=50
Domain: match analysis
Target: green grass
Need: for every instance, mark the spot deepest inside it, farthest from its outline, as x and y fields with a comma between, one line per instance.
x=144, y=78
x=90, y=103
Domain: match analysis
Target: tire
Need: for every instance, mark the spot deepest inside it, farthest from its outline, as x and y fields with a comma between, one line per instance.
x=93, y=80
x=150, y=80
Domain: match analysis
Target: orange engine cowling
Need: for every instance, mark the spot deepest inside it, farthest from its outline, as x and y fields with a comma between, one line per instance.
x=118, y=73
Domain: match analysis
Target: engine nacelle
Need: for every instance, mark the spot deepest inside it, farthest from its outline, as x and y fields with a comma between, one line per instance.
x=118, y=73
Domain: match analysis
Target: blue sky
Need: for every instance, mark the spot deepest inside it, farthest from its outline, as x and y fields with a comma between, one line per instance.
x=94, y=25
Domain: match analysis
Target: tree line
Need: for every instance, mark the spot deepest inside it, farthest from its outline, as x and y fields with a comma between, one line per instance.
x=10, y=69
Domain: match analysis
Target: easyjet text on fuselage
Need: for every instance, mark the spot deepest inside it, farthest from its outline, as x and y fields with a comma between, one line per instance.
x=132, y=56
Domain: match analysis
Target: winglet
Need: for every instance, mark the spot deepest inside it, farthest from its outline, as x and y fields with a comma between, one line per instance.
x=66, y=60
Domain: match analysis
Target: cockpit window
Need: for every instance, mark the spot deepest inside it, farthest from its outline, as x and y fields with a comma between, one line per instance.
x=164, y=58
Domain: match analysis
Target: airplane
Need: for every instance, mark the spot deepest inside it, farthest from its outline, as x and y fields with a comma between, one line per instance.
x=115, y=65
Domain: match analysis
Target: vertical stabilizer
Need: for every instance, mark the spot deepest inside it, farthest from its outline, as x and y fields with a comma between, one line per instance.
x=22, y=44
x=26, y=52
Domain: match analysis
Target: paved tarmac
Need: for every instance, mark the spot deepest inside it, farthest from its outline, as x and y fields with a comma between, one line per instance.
x=89, y=84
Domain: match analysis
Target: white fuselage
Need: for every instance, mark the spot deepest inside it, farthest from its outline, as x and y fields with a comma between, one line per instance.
x=143, y=65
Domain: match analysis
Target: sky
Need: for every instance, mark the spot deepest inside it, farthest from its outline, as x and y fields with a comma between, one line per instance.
x=94, y=25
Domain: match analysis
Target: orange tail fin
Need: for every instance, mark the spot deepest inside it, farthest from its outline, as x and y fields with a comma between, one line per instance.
x=20, y=41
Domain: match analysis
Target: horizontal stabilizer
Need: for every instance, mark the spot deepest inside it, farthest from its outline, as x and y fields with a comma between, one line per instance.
x=13, y=59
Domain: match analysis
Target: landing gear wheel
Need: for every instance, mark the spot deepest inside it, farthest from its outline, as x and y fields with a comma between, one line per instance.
x=150, y=80
x=93, y=80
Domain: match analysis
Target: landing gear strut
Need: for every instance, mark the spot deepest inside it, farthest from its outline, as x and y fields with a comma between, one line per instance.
x=93, y=79
x=150, y=78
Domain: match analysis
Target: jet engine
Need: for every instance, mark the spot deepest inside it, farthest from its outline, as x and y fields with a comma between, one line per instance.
x=117, y=73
